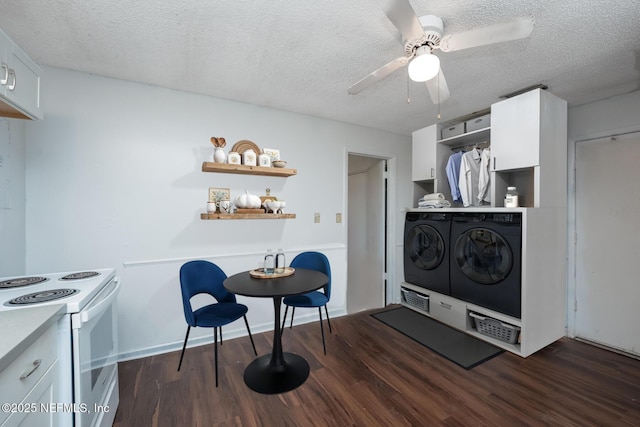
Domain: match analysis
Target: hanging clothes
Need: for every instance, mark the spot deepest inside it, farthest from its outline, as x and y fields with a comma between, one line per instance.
x=484, y=195
x=469, y=177
x=453, y=174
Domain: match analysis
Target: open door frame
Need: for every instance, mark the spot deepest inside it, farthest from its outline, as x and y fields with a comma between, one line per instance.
x=391, y=292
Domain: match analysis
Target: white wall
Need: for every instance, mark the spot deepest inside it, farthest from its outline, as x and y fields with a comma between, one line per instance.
x=12, y=190
x=113, y=178
x=616, y=115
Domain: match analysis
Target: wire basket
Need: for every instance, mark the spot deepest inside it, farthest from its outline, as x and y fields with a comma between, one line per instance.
x=495, y=328
x=415, y=299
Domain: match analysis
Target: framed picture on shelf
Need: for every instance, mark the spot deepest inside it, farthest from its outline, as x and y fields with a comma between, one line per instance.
x=217, y=194
x=272, y=152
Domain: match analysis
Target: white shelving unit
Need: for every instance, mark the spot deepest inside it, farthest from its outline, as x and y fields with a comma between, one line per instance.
x=528, y=136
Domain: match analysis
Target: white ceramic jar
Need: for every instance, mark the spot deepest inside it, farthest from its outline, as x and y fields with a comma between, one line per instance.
x=249, y=157
x=234, y=158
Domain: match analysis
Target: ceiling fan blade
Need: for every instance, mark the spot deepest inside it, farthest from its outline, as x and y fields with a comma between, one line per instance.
x=378, y=74
x=518, y=28
x=402, y=15
x=438, y=89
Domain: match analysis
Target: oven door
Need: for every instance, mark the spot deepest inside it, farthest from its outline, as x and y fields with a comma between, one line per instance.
x=95, y=371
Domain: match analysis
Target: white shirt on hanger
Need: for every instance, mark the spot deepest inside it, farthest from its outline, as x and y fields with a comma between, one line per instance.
x=484, y=195
x=469, y=177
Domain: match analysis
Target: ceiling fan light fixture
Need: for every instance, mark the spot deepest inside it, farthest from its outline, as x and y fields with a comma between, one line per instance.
x=424, y=66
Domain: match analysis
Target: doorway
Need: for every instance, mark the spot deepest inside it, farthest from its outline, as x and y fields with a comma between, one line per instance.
x=367, y=203
x=606, y=251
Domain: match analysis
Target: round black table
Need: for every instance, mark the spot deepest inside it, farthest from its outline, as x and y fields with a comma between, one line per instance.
x=278, y=372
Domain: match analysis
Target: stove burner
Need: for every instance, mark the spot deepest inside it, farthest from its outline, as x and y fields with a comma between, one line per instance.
x=80, y=275
x=43, y=296
x=21, y=281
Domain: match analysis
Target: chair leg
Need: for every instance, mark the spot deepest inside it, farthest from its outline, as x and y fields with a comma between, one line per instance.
x=293, y=312
x=250, y=337
x=328, y=321
x=186, y=337
x=284, y=319
x=215, y=351
x=324, y=347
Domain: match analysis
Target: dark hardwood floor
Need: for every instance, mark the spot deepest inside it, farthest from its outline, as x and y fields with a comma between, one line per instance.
x=374, y=376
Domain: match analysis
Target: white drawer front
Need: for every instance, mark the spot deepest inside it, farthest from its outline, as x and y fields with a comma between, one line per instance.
x=25, y=371
x=448, y=310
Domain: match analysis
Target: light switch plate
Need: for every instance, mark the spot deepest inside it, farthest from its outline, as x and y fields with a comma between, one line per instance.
x=316, y=218
x=338, y=218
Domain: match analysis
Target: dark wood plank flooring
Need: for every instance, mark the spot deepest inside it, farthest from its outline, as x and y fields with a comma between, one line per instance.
x=374, y=376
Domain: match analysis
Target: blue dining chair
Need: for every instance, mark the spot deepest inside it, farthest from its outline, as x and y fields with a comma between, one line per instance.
x=204, y=277
x=313, y=261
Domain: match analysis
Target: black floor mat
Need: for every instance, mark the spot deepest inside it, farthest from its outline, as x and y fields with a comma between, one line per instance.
x=460, y=348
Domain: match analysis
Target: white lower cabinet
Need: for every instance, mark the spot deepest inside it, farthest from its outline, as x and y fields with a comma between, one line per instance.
x=457, y=314
x=543, y=290
x=448, y=310
x=29, y=385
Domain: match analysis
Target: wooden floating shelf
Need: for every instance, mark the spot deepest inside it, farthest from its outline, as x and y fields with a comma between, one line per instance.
x=247, y=170
x=247, y=216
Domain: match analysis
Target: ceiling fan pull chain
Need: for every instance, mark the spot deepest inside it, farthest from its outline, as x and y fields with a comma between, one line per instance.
x=408, y=91
x=438, y=82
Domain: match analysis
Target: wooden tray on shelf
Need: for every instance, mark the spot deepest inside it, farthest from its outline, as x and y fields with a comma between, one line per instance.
x=260, y=274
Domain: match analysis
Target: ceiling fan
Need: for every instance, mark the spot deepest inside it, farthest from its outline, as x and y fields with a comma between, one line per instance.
x=421, y=36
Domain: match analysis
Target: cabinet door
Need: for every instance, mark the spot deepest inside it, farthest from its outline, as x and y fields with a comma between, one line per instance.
x=5, y=53
x=423, y=160
x=40, y=406
x=515, y=132
x=26, y=93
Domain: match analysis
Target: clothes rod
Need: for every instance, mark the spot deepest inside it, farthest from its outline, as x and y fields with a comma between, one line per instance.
x=484, y=144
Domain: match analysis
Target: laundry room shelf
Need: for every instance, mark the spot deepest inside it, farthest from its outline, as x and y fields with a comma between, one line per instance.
x=247, y=216
x=247, y=170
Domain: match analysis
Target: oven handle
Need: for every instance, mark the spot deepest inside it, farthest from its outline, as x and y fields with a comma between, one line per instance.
x=97, y=309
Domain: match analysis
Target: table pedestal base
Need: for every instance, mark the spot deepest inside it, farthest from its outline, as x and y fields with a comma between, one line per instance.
x=265, y=377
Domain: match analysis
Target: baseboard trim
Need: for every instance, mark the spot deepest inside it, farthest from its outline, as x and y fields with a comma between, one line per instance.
x=309, y=316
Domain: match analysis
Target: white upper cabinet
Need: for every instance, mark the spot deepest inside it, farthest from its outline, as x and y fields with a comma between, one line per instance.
x=521, y=126
x=515, y=132
x=19, y=82
x=423, y=159
x=6, y=46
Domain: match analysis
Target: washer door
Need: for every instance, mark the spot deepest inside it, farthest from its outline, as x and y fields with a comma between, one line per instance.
x=425, y=247
x=483, y=256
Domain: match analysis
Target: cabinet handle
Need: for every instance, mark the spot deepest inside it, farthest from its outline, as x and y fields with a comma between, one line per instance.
x=36, y=365
x=5, y=78
x=494, y=163
x=12, y=86
x=432, y=172
x=445, y=305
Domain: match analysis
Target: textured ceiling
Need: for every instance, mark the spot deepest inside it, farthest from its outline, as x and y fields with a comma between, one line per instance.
x=302, y=56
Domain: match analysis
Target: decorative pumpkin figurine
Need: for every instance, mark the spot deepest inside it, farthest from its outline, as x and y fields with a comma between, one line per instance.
x=247, y=201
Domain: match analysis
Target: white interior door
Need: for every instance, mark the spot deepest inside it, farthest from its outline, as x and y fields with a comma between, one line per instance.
x=607, y=249
x=366, y=234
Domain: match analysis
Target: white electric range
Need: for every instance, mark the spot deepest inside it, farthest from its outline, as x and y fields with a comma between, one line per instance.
x=87, y=336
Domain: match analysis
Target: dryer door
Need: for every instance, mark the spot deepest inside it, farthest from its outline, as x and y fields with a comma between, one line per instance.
x=425, y=247
x=483, y=256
